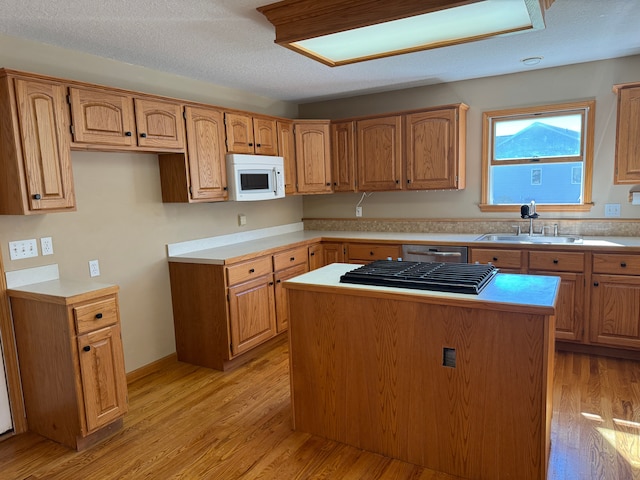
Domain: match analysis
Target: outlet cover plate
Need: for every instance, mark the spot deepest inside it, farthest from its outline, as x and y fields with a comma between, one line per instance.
x=94, y=268
x=612, y=210
x=46, y=246
x=23, y=249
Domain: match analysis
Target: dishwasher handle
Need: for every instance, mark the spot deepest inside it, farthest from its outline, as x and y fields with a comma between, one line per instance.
x=435, y=254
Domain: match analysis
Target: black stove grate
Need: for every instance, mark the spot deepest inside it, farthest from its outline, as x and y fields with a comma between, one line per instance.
x=440, y=277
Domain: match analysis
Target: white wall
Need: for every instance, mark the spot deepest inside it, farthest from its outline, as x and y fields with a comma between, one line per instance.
x=547, y=86
x=120, y=218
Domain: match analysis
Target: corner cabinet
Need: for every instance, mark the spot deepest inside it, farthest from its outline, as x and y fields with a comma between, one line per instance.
x=435, y=149
x=627, y=160
x=71, y=358
x=35, y=154
x=379, y=153
x=313, y=156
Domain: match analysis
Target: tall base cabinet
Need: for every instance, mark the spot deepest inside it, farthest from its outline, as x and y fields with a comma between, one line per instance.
x=71, y=361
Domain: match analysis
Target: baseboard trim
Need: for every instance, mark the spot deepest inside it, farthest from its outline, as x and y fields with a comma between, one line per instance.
x=152, y=367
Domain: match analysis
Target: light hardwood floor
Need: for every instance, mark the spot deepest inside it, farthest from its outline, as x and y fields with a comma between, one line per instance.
x=189, y=422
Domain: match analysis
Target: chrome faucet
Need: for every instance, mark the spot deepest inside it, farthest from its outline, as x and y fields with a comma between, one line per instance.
x=529, y=211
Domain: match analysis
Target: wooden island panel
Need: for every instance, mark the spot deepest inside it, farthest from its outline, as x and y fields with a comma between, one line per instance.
x=369, y=372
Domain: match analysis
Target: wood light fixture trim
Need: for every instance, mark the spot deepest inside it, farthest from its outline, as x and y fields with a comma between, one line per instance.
x=297, y=20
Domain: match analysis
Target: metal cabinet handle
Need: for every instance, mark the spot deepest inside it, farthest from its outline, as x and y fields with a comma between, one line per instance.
x=37, y=196
x=495, y=259
x=143, y=135
x=595, y=284
x=86, y=348
x=258, y=144
x=252, y=270
x=555, y=260
x=623, y=265
x=127, y=134
x=98, y=316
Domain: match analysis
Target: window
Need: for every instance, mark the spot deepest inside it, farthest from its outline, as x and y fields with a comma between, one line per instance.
x=542, y=153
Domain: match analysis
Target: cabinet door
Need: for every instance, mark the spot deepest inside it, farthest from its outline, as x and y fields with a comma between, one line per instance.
x=627, y=161
x=103, y=118
x=265, y=136
x=205, y=151
x=615, y=310
x=343, y=156
x=313, y=157
x=432, y=156
x=287, y=150
x=239, y=130
x=569, y=306
x=316, y=259
x=252, y=317
x=45, y=144
x=160, y=124
x=333, y=253
x=282, y=300
x=104, y=383
x=379, y=153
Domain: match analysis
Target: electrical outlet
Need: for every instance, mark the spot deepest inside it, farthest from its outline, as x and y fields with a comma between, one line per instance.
x=94, y=268
x=358, y=211
x=46, y=245
x=612, y=210
x=23, y=249
x=242, y=219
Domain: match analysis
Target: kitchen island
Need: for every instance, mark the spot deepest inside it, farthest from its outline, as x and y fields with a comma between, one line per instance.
x=455, y=382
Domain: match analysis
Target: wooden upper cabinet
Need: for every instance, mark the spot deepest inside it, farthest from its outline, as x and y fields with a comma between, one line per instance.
x=160, y=123
x=313, y=156
x=435, y=149
x=343, y=156
x=101, y=117
x=35, y=155
x=247, y=134
x=627, y=160
x=379, y=153
x=109, y=118
x=206, y=153
x=287, y=150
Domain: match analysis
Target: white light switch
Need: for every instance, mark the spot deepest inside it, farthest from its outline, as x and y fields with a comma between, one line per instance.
x=23, y=249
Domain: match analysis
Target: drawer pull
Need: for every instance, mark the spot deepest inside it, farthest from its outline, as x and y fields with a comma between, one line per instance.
x=98, y=316
x=555, y=260
x=371, y=253
x=37, y=196
x=270, y=283
x=86, y=348
x=312, y=254
x=595, y=284
x=623, y=264
x=292, y=259
x=495, y=259
x=127, y=134
x=278, y=281
x=252, y=270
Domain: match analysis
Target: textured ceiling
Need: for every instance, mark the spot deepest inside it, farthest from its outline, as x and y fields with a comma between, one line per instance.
x=227, y=42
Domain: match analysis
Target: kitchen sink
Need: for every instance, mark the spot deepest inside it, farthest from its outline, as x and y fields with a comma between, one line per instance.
x=545, y=239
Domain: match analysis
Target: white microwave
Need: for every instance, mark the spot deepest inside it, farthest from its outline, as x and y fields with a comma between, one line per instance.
x=255, y=177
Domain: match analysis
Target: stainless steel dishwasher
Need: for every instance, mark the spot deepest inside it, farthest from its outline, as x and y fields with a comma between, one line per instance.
x=434, y=253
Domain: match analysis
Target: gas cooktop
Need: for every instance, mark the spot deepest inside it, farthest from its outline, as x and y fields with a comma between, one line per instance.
x=440, y=277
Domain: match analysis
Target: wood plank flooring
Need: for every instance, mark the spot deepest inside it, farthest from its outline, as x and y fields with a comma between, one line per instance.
x=189, y=422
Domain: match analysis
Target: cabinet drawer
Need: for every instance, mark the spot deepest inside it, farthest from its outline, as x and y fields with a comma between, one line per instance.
x=95, y=315
x=290, y=258
x=499, y=258
x=369, y=252
x=557, y=261
x=616, y=263
x=248, y=270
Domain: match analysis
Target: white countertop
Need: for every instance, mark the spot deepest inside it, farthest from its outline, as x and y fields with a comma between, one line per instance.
x=222, y=254
x=61, y=289
x=508, y=290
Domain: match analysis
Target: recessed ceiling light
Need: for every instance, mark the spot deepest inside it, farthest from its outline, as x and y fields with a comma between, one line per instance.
x=531, y=60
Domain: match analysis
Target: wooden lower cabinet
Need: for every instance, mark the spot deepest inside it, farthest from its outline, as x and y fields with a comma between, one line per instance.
x=615, y=310
x=569, y=306
x=221, y=312
x=72, y=364
x=252, y=316
x=508, y=261
x=316, y=259
x=333, y=252
x=282, y=301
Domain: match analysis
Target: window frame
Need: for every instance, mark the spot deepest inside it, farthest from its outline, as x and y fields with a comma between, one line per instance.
x=586, y=108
